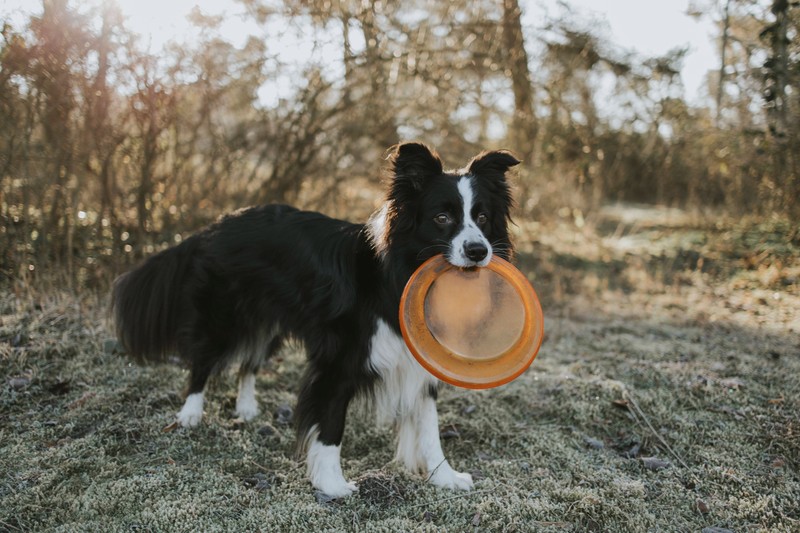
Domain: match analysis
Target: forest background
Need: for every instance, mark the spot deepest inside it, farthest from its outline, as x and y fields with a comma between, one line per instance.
x=110, y=150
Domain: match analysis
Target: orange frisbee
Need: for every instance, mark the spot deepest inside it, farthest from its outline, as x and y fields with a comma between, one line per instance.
x=475, y=328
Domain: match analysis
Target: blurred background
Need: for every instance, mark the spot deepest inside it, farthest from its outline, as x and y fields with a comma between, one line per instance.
x=126, y=125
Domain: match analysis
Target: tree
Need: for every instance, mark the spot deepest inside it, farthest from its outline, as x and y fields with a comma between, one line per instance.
x=523, y=128
x=781, y=71
x=110, y=150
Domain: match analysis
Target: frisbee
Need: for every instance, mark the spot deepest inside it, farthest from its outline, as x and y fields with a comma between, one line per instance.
x=476, y=328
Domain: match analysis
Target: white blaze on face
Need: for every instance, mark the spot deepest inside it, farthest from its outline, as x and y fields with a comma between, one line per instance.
x=469, y=233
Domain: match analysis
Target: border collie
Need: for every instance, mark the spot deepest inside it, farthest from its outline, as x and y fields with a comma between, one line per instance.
x=236, y=290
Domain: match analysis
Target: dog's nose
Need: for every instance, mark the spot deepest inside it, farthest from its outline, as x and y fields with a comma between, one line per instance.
x=475, y=251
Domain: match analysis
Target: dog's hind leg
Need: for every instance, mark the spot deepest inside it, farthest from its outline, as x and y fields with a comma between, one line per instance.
x=246, y=401
x=191, y=413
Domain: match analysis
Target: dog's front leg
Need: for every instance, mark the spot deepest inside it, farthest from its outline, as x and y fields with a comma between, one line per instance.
x=321, y=410
x=325, y=468
x=420, y=449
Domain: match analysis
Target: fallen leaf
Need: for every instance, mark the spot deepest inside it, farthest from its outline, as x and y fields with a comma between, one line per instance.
x=654, y=463
x=702, y=506
x=450, y=432
x=732, y=383
x=621, y=404
x=19, y=382
x=170, y=427
x=469, y=409
x=594, y=444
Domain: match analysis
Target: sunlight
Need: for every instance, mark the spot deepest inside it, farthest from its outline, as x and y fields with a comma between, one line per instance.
x=160, y=21
x=630, y=24
x=293, y=44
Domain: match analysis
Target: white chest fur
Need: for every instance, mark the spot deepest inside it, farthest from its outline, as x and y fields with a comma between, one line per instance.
x=403, y=380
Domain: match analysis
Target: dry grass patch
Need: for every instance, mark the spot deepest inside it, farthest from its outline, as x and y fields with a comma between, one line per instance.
x=665, y=398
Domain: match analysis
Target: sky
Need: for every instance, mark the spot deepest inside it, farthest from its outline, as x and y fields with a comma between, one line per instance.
x=647, y=27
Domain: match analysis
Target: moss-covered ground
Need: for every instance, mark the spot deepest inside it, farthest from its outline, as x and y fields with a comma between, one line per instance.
x=666, y=397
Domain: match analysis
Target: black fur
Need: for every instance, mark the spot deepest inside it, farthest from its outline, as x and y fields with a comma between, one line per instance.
x=242, y=285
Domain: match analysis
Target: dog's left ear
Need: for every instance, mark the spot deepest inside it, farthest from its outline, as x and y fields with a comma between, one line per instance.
x=496, y=162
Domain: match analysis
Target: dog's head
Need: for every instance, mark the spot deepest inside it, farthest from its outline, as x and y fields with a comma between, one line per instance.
x=462, y=214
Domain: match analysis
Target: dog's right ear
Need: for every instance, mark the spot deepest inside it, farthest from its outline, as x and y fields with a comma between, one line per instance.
x=413, y=163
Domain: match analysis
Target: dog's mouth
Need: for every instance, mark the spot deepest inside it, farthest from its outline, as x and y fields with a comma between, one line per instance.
x=467, y=265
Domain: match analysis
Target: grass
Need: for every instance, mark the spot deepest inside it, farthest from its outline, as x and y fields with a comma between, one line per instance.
x=665, y=398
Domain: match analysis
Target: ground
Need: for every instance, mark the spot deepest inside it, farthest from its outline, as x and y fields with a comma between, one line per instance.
x=665, y=398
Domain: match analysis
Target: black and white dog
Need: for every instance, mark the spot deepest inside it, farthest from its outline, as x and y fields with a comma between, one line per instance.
x=234, y=291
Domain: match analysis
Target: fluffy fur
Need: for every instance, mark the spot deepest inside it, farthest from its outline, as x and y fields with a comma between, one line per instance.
x=234, y=291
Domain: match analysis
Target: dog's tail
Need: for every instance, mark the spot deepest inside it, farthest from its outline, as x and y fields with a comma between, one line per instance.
x=147, y=303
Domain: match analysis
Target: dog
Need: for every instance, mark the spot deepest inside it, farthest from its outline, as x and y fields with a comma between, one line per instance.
x=236, y=290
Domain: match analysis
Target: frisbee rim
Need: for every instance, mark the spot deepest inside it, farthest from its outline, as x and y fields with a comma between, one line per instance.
x=454, y=368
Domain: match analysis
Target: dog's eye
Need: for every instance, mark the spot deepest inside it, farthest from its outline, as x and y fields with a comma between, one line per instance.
x=442, y=219
x=481, y=219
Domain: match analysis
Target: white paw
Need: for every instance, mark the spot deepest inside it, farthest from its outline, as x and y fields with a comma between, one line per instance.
x=444, y=476
x=325, y=469
x=189, y=419
x=247, y=410
x=192, y=411
x=246, y=402
x=336, y=489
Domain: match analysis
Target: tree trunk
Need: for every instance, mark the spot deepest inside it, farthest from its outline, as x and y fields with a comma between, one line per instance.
x=381, y=120
x=723, y=49
x=523, y=126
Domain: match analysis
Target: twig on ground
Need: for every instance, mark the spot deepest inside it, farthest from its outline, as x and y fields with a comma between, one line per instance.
x=640, y=414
